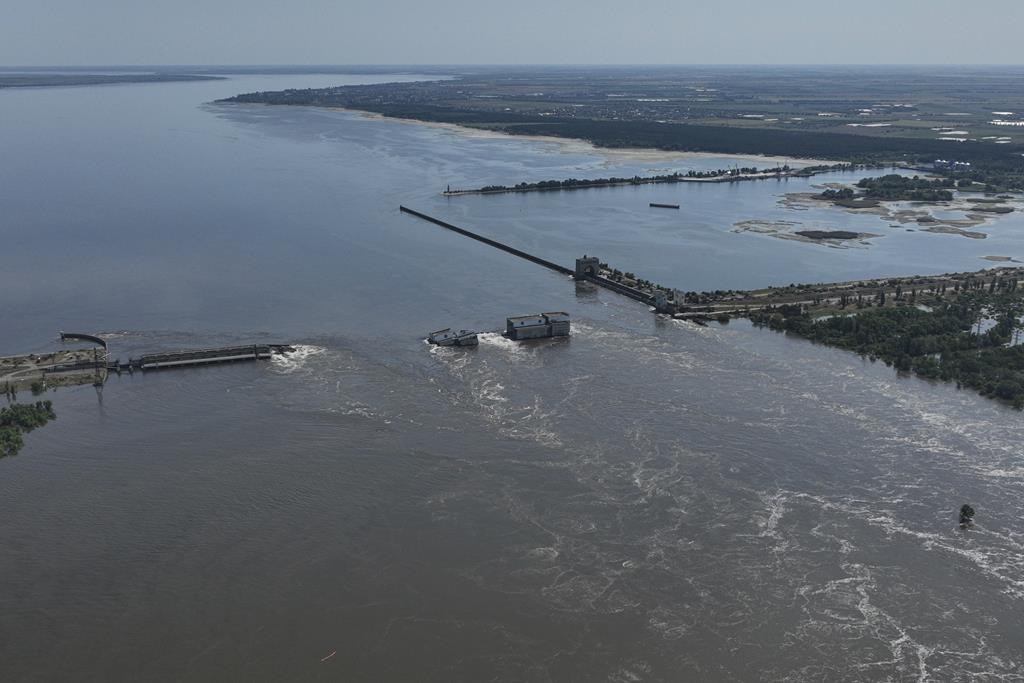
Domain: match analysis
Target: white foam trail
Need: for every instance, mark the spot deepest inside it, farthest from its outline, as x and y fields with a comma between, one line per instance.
x=514, y=349
x=997, y=562
x=296, y=360
x=776, y=508
x=455, y=358
x=1003, y=473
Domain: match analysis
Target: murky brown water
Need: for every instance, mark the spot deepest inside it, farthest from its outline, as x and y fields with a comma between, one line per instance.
x=646, y=501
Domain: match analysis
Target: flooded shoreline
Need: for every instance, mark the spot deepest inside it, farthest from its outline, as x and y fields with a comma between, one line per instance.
x=627, y=504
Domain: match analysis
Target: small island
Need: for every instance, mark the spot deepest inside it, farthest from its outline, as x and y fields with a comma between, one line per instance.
x=722, y=175
x=892, y=187
x=830, y=234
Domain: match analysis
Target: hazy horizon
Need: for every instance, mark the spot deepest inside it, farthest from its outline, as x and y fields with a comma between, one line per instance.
x=463, y=33
x=496, y=65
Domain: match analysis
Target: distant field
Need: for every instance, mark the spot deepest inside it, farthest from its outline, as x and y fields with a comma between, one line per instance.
x=844, y=113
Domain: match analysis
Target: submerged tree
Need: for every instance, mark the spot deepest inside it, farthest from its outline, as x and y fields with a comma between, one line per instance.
x=966, y=515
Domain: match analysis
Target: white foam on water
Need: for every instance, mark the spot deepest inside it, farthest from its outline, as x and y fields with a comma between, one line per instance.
x=1001, y=559
x=297, y=360
x=633, y=673
x=513, y=350
x=483, y=386
x=359, y=410
x=832, y=605
x=768, y=524
x=455, y=358
x=120, y=334
x=534, y=422
x=1004, y=473
x=545, y=553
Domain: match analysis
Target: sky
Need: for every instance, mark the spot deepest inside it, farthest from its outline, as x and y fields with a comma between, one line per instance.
x=143, y=32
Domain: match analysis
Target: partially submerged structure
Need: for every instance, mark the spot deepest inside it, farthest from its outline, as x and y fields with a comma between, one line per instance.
x=538, y=326
x=449, y=337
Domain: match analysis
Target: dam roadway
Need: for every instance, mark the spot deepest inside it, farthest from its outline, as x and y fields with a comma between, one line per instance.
x=597, y=279
x=740, y=303
x=80, y=366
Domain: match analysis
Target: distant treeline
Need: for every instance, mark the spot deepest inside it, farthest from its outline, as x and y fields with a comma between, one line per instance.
x=666, y=136
x=19, y=418
x=897, y=187
x=577, y=183
x=995, y=176
x=940, y=343
x=998, y=166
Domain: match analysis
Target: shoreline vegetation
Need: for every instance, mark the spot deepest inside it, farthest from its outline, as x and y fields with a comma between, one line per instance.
x=956, y=327
x=19, y=419
x=959, y=327
x=987, y=168
x=970, y=336
x=665, y=136
x=717, y=176
x=874, y=193
x=892, y=188
x=849, y=119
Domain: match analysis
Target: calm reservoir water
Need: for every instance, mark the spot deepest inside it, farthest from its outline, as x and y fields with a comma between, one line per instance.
x=646, y=501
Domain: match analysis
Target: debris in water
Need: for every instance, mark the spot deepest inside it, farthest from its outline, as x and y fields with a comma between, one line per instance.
x=966, y=516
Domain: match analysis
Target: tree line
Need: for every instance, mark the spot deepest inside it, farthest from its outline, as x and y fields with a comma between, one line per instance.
x=20, y=418
x=895, y=187
x=944, y=341
x=573, y=183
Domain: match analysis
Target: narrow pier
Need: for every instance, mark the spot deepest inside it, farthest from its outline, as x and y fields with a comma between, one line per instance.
x=486, y=240
x=582, y=272
x=64, y=336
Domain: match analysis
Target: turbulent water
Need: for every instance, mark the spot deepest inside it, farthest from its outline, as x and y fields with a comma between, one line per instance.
x=645, y=501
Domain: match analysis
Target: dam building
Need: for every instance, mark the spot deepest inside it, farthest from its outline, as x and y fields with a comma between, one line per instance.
x=539, y=326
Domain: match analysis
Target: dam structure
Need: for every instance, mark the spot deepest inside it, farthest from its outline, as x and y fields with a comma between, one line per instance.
x=178, y=359
x=488, y=241
x=92, y=366
x=588, y=269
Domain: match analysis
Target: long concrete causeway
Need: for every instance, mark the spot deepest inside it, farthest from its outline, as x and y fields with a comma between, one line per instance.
x=177, y=359
x=81, y=366
x=172, y=359
x=486, y=240
x=589, y=277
